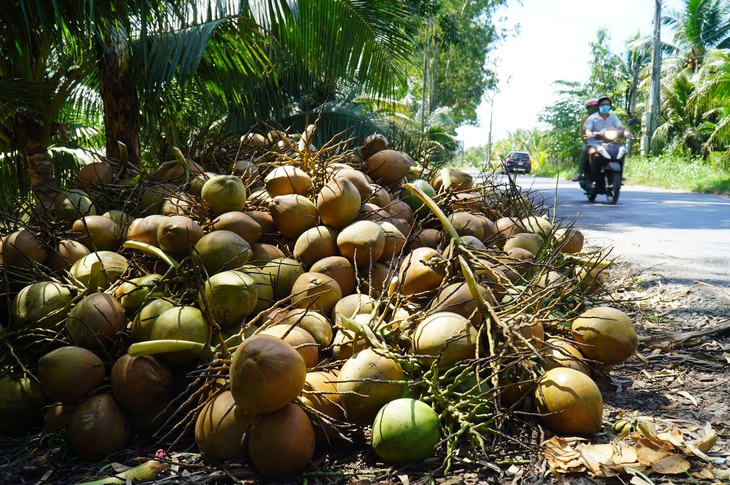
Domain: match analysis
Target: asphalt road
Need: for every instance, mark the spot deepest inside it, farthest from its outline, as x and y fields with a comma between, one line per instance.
x=679, y=236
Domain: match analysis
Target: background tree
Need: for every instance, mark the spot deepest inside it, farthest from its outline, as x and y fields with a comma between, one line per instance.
x=699, y=26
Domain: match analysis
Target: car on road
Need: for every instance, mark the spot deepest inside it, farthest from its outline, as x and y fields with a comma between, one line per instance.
x=517, y=162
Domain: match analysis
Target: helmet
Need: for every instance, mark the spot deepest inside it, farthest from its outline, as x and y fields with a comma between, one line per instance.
x=592, y=102
x=605, y=98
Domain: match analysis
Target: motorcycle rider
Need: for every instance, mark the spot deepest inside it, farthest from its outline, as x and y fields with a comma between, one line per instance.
x=591, y=107
x=594, y=123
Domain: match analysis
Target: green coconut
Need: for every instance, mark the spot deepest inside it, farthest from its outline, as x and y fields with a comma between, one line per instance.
x=21, y=404
x=144, y=320
x=69, y=374
x=154, y=196
x=366, y=384
x=405, y=430
x=283, y=272
x=73, y=204
x=111, y=266
x=230, y=296
x=224, y=193
x=134, y=293
x=222, y=250
x=180, y=323
x=264, y=287
x=96, y=322
x=418, y=207
x=42, y=305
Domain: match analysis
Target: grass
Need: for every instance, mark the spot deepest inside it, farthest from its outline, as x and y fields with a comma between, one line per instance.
x=664, y=171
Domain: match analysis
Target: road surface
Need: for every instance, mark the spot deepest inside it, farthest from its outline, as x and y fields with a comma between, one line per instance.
x=683, y=237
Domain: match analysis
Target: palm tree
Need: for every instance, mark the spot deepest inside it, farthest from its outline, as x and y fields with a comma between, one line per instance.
x=699, y=26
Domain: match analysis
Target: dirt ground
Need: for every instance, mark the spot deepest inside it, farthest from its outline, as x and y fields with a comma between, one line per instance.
x=679, y=380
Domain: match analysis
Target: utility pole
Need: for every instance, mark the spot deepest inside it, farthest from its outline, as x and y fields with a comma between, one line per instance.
x=489, y=137
x=652, y=116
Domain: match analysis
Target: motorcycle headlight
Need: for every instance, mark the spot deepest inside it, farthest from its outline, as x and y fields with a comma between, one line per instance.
x=621, y=152
x=603, y=152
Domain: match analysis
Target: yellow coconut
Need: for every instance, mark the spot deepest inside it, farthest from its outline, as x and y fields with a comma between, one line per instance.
x=368, y=381
x=313, y=322
x=569, y=402
x=177, y=234
x=457, y=298
x=219, y=429
x=338, y=203
x=561, y=353
x=287, y=179
x=362, y=242
x=428, y=237
x=359, y=180
x=352, y=305
x=301, y=340
x=605, y=334
x=266, y=374
x=569, y=240
x=422, y=270
x=444, y=337
x=293, y=214
x=320, y=394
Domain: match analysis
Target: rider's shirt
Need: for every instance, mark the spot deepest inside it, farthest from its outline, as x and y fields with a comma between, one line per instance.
x=595, y=123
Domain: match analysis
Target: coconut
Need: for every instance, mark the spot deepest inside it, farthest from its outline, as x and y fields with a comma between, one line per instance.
x=23, y=249
x=66, y=254
x=153, y=197
x=490, y=230
x=248, y=171
x=377, y=281
x=134, y=293
x=399, y=209
x=313, y=322
x=144, y=229
x=196, y=184
x=373, y=144
x=362, y=242
x=457, y=298
x=418, y=207
x=569, y=402
x=518, y=259
x=472, y=243
x=283, y=272
x=180, y=323
x=42, y=305
x=338, y=203
x=526, y=240
x=394, y=240
x=347, y=343
x=224, y=193
x=69, y=374
x=96, y=322
x=263, y=253
x=177, y=234
x=508, y=226
x=444, y=337
x=467, y=224
x=538, y=225
x=605, y=334
x=264, y=287
x=301, y=340
x=282, y=443
x=460, y=180
x=320, y=394
x=561, y=353
x=287, y=179
x=230, y=296
x=379, y=197
x=111, y=267
x=590, y=280
x=219, y=429
x=293, y=214
x=143, y=322
x=428, y=237
x=95, y=175
x=21, y=404
x=58, y=416
x=266, y=374
x=314, y=244
x=222, y=250
x=338, y=268
x=98, y=428
x=178, y=204
x=177, y=170
x=140, y=383
x=366, y=384
x=120, y=217
x=358, y=179
x=422, y=270
x=239, y=222
x=388, y=167
x=352, y=305
x=469, y=202
x=372, y=212
x=73, y=204
x=569, y=240
x=405, y=430
x=316, y=291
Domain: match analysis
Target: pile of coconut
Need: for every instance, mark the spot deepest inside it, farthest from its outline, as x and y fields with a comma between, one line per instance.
x=293, y=296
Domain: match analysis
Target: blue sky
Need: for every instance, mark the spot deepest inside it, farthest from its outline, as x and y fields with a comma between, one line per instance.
x=552, y=44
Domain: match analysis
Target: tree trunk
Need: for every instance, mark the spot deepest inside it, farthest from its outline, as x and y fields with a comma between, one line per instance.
x=119, y=94
x=29, y=136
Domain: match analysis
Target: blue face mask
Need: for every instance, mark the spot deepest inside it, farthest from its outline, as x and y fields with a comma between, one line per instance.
x=604, y=109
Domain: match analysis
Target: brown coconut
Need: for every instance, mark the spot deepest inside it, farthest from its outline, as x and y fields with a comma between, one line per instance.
x=338, y=203
x=316, y=291
x=23, y=249
x=140, y=383
x=314, y=244
x=287, y=179
x=177, y=234
x=422, y=270
x=293, y=214
x=68, y=374
x=98, y=428
x=338, y=268
x=239, y=222
x=219, y=429
x=362, y=242
x=96, y=322
x=388, y=167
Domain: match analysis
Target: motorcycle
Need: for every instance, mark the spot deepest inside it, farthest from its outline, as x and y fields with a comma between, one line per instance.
x=605, y=166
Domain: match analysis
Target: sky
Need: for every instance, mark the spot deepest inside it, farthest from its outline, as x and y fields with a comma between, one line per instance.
x=552, y=44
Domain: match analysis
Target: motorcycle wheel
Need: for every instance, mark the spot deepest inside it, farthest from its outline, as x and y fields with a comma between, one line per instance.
x=612, y=191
